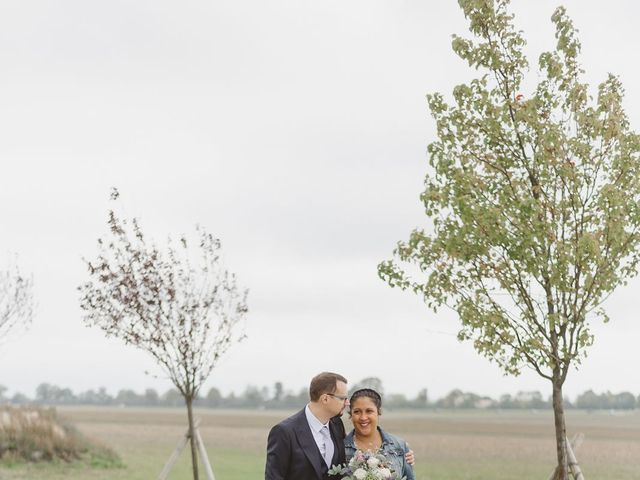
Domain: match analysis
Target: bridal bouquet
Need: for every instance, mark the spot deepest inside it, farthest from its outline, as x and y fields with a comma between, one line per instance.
x=365, y=466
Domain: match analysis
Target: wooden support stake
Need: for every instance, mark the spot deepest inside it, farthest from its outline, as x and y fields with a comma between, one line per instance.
x=573, y=462
x=176, y=452
x=574, y=468
x=204, y=457
x=576, y=441
x=174, y=457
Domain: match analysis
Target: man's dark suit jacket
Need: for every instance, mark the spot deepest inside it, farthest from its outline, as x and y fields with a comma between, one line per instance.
x=292, y=452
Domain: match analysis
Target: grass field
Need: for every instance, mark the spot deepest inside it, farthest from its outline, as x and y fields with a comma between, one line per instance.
x=466, y=445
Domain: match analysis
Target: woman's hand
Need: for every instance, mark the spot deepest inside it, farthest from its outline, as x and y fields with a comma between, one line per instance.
x=409, y=457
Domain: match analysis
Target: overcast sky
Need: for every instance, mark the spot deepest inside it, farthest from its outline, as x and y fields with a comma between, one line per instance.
x=294, y=131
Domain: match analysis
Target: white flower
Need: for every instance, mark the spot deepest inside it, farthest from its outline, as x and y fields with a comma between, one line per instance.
x=360, y=474
x=373, y=462
x=385, y=472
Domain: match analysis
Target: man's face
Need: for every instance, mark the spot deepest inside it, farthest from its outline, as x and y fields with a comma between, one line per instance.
x=338, y=400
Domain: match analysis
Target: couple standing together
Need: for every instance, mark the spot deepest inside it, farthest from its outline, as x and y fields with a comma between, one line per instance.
x=307, y=444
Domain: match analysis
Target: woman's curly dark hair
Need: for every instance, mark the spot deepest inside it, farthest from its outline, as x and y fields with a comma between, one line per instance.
x=369, y=393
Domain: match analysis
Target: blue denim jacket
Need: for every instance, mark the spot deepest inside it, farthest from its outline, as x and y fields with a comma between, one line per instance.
x=393, y=448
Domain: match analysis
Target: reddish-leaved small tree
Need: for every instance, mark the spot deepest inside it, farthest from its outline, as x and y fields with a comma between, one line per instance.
x=185, y=315
x=16, y=300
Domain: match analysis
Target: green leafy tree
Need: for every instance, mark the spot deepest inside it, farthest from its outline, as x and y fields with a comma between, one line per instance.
x=369, y=382
x=172, y=398
x=151, y=397
x=278, y=392
x=177, y=303
x=534, y=202
x=214, y=397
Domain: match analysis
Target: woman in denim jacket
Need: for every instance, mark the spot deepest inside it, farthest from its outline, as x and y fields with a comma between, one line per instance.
x=365, y=408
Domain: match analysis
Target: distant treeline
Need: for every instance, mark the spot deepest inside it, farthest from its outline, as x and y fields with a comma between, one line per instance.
x=277, y=397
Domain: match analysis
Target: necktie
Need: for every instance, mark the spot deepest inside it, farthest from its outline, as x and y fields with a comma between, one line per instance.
x=327, y=454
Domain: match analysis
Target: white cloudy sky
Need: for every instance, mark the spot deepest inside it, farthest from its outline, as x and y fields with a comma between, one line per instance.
x=295, y=131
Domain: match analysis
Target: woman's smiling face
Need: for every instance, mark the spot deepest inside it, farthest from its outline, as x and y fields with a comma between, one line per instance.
x=364, y=415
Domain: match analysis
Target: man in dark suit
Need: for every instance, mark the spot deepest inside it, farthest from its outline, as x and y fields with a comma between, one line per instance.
x=305, y=445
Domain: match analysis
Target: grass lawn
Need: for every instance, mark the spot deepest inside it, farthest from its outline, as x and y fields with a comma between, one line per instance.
x=471, y=445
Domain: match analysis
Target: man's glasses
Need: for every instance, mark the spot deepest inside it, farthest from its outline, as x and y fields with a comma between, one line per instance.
x=339, y=397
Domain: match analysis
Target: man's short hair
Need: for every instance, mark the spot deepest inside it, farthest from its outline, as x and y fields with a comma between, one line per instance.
x=322, y=383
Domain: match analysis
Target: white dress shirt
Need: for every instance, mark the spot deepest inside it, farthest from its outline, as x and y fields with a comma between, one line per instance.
x=316, y=426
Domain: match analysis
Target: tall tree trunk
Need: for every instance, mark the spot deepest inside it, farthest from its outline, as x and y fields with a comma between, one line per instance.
x=192, y=437
x=562, y=470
